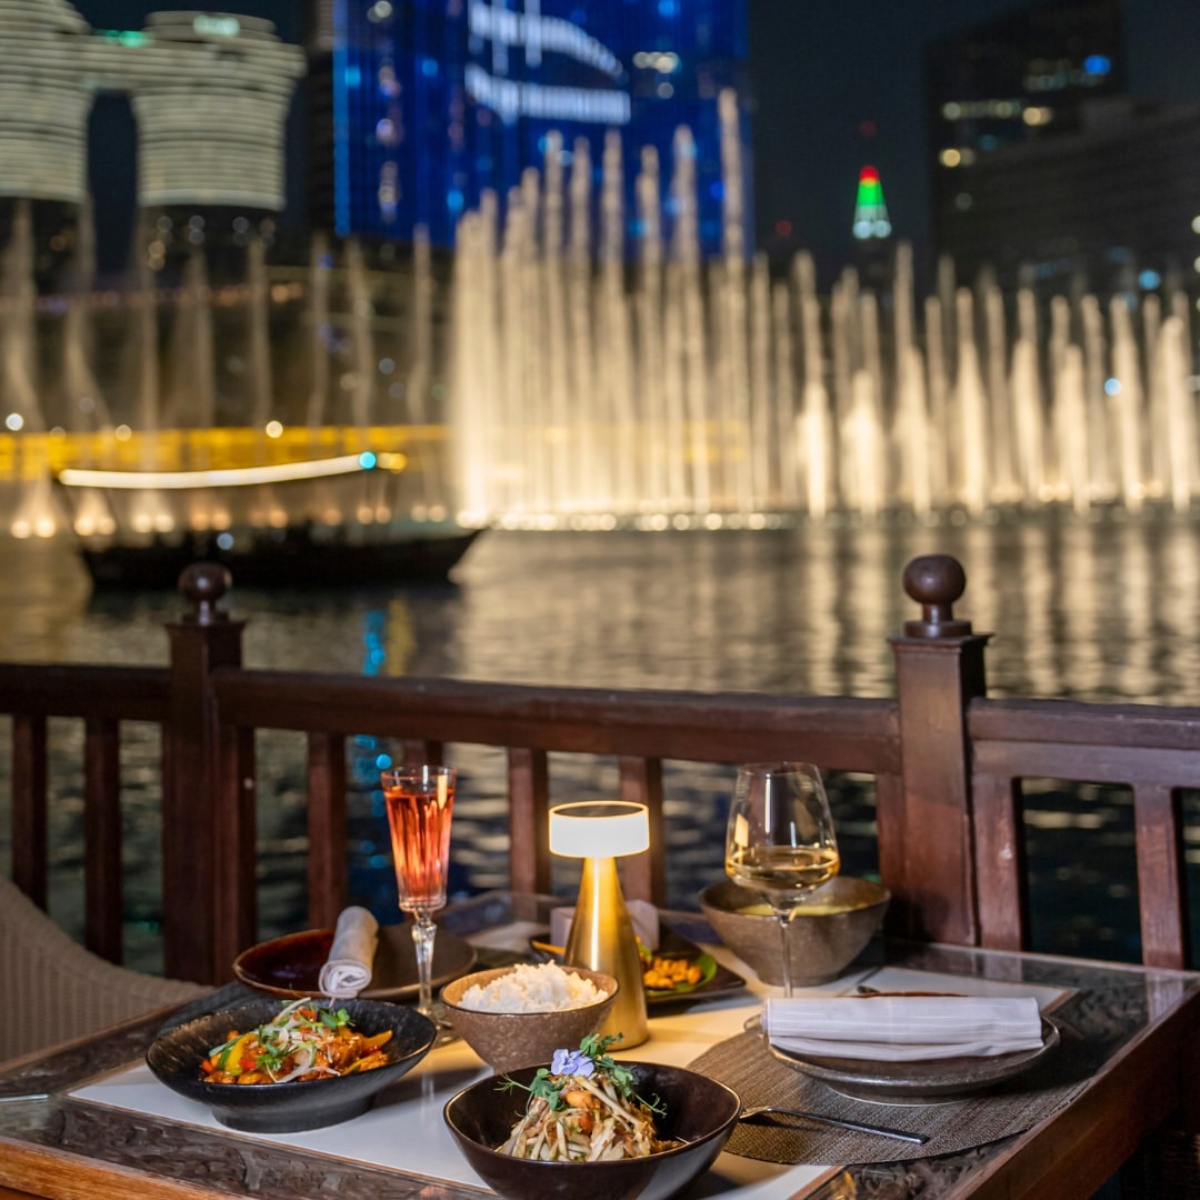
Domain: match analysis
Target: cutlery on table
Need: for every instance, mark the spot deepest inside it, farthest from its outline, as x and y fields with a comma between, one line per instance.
x=748, y=1114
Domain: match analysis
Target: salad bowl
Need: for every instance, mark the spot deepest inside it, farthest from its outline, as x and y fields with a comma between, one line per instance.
x=698, y=1111
x=176, y=1056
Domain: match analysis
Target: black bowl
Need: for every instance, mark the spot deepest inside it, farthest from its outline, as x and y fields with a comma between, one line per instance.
x=176, y=1056
x=700, y=1111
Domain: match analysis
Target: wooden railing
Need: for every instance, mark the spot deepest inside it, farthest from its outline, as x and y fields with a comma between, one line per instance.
x=1154, y=751
x=639, y=729
x=102, y=697
x=947, y=763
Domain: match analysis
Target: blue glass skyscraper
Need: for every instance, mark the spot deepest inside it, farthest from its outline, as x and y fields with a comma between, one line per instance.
x=428, y=102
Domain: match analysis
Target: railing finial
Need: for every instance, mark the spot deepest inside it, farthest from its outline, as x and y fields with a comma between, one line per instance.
x=936, y=581
x=204, y=583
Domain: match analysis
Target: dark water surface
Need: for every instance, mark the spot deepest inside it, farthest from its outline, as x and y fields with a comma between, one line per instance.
x=1102, y=610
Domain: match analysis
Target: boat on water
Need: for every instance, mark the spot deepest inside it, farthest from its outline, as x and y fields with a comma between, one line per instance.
x=279, y=525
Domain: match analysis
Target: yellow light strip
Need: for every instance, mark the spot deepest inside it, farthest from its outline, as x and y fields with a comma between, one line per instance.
x=347, y=464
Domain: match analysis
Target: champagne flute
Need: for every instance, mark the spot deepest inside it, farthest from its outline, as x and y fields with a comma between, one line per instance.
x=780, y=841
x=419, y=802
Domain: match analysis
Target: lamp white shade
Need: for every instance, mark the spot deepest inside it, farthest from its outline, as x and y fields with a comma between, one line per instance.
x=599, y=829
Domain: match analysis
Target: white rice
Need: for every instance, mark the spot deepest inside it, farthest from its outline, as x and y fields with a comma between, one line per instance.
x=525, y=989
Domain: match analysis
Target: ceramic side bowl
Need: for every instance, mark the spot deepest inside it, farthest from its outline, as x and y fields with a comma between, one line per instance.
x=505, y=1040
x=826, y=935
x=175, y=1059
x=699, y=1111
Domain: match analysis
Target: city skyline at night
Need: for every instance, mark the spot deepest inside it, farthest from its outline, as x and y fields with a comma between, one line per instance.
x=417, y=109
x=827, y=96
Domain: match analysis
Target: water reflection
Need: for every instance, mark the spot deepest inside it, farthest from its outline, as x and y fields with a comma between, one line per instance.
x=1105, y=609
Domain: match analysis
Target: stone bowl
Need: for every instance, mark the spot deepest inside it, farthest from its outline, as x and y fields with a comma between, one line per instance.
x=700, y=1112
x=293, y=1107
x=506, y=1040
x=826, y=935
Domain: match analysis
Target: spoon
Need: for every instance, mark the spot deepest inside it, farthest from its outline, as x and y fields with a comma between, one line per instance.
x=748, y=1114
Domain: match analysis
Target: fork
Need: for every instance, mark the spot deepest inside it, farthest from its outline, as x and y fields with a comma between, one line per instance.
x=748, y=1114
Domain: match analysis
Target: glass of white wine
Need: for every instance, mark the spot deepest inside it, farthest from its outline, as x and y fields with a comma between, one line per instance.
x=781, y=841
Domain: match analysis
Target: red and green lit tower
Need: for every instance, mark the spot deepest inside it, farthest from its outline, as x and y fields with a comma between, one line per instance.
x=870, y=212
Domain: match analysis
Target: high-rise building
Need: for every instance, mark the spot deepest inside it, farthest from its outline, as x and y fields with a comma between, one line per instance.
x=1024, y=77
x=417, y=106
x=1045, y=170
x=872, y=230
x=1115, y=204
x=210, y=92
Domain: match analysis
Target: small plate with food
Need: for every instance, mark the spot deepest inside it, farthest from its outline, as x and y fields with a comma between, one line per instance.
x=271, y=1067
x=678, y=971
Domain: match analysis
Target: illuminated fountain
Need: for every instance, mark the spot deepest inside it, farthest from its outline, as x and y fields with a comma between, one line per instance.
x=163, y=473
x=18, y=340
x=646, y=387
x=36, y=513
x=592, y=383
x=83, y=400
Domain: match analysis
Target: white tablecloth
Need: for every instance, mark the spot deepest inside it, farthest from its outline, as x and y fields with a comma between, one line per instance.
x=405, y=1130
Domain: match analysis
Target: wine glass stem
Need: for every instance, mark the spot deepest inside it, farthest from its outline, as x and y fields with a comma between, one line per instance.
x=784, y=922
x=423, y=932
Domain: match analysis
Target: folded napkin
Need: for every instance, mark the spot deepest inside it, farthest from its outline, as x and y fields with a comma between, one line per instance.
x=642, y=914
x=347, y=970
x=904, y=1028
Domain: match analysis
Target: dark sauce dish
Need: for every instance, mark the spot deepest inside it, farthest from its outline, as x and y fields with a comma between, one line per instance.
x=292, y=1107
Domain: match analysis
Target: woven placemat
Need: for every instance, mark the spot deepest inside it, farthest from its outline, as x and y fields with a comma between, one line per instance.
x=743, y=1063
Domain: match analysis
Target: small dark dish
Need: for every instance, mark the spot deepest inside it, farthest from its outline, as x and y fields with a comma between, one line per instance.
x=291, y=965
x=176, y=1056
x=932, y=1081
x=701, y=1111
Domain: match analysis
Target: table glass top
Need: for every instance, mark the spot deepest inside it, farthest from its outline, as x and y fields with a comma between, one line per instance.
x=91, y=1099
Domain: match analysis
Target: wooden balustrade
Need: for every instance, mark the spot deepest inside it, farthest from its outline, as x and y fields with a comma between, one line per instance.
x=1153, y=750
x=102, y=697
x=947, y=763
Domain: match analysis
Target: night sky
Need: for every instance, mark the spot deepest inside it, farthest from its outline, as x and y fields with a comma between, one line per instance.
x=822, y=67
x=819, y=70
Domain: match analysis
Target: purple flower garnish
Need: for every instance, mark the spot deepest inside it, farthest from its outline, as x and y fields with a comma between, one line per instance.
x=571, y=1062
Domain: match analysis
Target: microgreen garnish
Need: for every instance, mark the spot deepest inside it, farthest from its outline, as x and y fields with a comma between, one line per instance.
x=590, y=1059
x=540, y=1086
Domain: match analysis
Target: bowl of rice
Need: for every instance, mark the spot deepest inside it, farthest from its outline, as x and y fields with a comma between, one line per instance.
x=518, y=1016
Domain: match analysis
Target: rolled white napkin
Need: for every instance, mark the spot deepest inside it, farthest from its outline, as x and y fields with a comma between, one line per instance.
x=347, y=970
x=642, y=914
x=904, y=1028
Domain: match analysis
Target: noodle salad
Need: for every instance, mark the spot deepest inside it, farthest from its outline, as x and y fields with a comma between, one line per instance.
x=302, y=1041
x=583, y=1108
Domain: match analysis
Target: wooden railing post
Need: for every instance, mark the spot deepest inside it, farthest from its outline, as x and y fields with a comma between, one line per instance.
x=925, y=830
x=102, y=837
x=529, y=819
x=30, y=837
x=194, y=881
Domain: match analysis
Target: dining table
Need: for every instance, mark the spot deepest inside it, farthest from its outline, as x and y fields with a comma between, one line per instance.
x=88, y=1119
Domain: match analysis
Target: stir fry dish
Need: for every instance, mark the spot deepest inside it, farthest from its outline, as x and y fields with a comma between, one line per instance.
x=583, y=1108
x=303, y=1041
x=671, y=974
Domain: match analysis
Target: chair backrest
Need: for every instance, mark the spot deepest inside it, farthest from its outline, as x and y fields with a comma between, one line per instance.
x=53, y=990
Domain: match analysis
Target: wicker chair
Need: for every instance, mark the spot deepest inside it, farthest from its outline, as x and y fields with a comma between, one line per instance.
x=53, y=990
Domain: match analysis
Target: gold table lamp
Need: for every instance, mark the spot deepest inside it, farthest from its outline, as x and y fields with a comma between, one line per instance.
x=602, y=937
